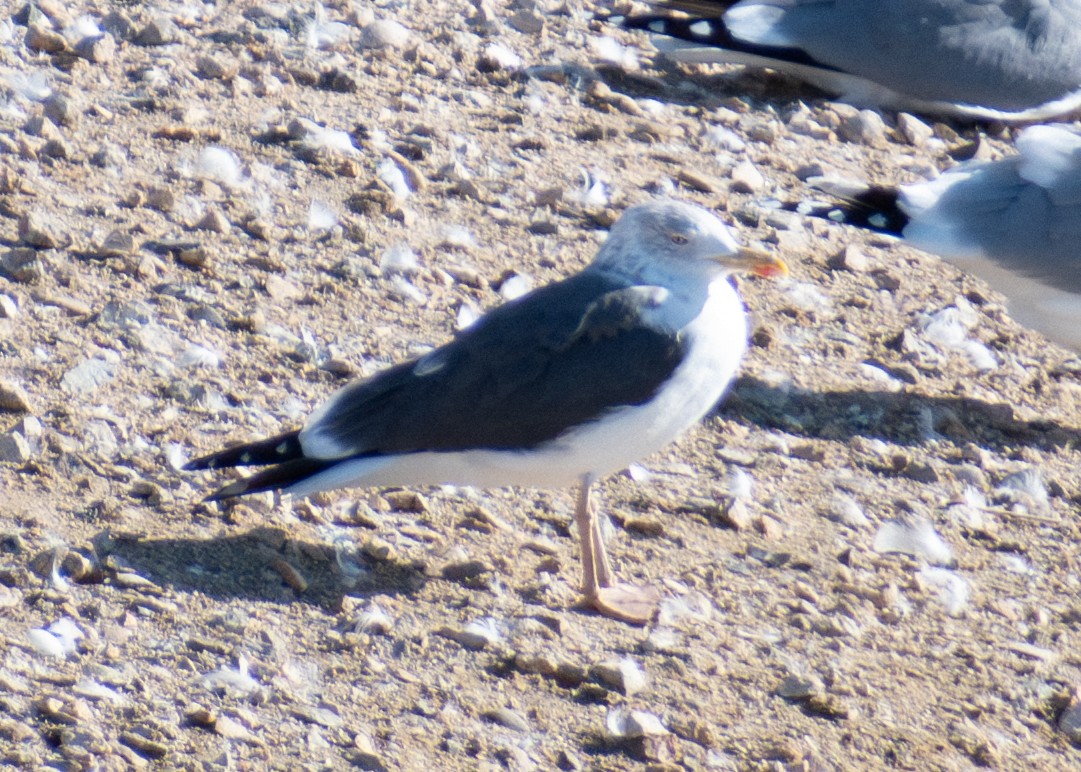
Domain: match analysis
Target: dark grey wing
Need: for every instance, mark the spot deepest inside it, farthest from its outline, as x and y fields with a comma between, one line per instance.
x=522, y=375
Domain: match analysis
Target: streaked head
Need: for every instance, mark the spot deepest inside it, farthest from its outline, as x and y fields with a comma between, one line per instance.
x=674, y=238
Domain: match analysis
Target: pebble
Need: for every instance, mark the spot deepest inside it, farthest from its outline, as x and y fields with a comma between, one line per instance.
x=384, y=33
x=1069, y=723
x=851, y=258
x=13, y=398
x=99, y=49
x=14, y=449
x=915, y=131
x=39, y=231
x=159, y=31
x=746, y=178
x=864, y=127
x=87, y=376
x=22, y=264
x=623, y=675
x=41, y=38
x=506, y=717
x=800, y=689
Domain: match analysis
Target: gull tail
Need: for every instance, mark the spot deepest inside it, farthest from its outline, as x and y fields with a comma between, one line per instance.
x=283, y=451
x=871, y=207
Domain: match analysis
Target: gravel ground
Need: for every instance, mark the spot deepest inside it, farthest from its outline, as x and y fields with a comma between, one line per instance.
x=212, y=216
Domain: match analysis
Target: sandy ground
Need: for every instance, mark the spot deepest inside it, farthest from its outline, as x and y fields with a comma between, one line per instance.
x=215, y=216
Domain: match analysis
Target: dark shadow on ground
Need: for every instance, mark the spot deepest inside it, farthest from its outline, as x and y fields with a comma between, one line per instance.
x=256, y=566
x=897, y=417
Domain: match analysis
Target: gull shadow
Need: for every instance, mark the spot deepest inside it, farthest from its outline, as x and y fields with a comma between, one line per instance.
x=257, y=565
x=901, y=418
x=676, y=85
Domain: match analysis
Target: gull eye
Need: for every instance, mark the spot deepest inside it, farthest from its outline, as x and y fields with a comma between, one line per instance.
x=678, y=238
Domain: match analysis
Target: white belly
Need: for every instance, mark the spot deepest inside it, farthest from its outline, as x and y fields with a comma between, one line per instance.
x=717, y=339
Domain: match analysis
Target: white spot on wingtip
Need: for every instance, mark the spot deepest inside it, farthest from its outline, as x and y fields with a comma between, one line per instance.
x=702, y=29
x=660, y=26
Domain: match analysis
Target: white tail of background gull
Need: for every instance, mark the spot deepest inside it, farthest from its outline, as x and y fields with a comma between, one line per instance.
x=569, y=383
x=1005, y=60
x=1015, y=223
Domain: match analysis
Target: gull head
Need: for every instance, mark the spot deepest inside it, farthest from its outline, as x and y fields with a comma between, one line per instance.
x=668, y=239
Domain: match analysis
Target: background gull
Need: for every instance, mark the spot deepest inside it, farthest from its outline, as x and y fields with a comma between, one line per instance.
x=1015, y=223
x=567, y=384
x=987, y=59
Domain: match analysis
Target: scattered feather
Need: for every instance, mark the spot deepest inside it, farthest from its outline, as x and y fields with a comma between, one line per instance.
x=394, y=178
x=321, y=217
x=94, y=690
x=231, y=681
x=199, y=356
x=740, y=484
x=500, y=55
x=46, y=644
x=639, y=473
x=1026, y=487
x=321, y=33
x=319, y=138
x=402, y=287
x=458, y=237
x=399, y=260
x=723, y=138
x=221, y=165
x=594, y=192
x=34, y=87
x=611, y=51
x=694, y=606
x=807, y=297
x=373, y=621
x=917, y=538
x=82, y=28
x=953, y=589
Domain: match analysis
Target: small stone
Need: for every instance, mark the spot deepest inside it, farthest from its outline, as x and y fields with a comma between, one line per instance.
x=214, y=220
x=9, y=309
x=511, y=719
x=466, y=571
x=41, y=38
x=915, y=131
x=624, y=676
x=746, y=178
x=23, y=264
x=162, y=199
x=866, y=127
x=14, y=449
x=99, y=49
x=851, y=258
x=87, y=376
x=13, y=398
x=60, y=110
x=384, y=33
x=800, y=689
x=217, y=68
x=527, y=21
x=38, y=231
x=159, y=31
x=1069, y=723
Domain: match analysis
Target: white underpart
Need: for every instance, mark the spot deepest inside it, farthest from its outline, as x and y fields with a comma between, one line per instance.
x=717, y=339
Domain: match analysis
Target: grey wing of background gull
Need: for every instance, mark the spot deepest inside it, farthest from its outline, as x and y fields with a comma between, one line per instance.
x=999, y=59
x=1021, y=212
x=1014, y=222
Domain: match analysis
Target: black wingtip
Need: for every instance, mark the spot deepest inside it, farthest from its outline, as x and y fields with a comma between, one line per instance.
x=275, y=478
x=273, y=450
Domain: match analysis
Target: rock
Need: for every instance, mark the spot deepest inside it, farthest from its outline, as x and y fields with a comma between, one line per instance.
x=527, y=21
x=60, y=110
x=746, y=178
x=12, y=397
x=159, y=31
x=511, y=719
x=41, y=38
x=23, y=265
x=87, y=376
x=624, y=676
x=915, y=131
x=865, y=127
x=384, y=33
x=99, y=49
x=851, y=258
x=14, y=449
x=9, y=309
x=800, y=689
x=44, y=233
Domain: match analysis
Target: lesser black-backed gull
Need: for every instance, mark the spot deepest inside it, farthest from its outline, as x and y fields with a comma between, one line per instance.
x=986, y=59
x=1014, y=222
x=569, y=383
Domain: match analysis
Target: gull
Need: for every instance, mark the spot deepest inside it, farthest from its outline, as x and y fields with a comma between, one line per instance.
x=562, y=386
x=1014, y=222
x=1005, y=60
